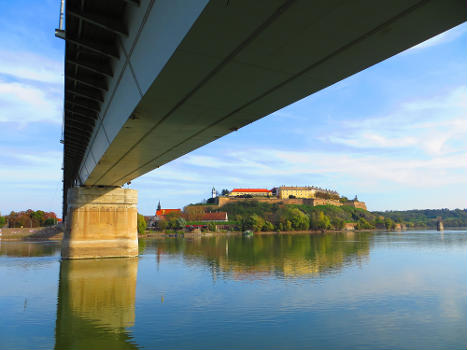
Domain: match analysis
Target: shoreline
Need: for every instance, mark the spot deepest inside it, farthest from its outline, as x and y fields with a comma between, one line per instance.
x=45, y=234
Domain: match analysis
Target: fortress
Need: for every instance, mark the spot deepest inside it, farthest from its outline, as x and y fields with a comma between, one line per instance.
x=309, y=195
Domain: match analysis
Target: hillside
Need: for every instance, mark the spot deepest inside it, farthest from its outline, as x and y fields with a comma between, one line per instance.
x=267, y=217
x=428, y=217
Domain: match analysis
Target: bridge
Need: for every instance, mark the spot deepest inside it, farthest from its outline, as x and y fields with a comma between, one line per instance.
x=148, y=81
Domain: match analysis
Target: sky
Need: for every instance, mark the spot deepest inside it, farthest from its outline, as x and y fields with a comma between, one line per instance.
x=394, y=134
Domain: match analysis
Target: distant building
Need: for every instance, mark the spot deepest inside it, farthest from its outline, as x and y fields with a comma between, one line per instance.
x=161, y=213
x=218, y=216
x=255, y=192
x=285, y=192
x=214, y=193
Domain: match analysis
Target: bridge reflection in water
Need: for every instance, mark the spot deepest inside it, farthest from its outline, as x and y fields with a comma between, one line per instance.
x=96, y=303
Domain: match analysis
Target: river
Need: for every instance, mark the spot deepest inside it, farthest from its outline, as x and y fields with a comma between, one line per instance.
x=368, y=290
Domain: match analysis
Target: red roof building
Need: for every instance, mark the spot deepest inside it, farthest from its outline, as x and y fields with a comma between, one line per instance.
x=161, y=213
x=167, y=211
x=219, y=216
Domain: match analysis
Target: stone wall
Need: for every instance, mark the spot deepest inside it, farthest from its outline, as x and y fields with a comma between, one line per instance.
x=34, y=233
x=356, y=204
x=321, y=201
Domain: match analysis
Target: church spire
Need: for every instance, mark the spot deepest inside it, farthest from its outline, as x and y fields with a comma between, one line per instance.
x=159, y=206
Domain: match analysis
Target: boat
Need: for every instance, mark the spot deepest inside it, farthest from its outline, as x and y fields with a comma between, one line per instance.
x=247, y=233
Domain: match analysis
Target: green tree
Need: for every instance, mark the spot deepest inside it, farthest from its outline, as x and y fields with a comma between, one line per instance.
x=180, y=223
x=49, y=222
x=253, y=222
x=2, y=221
x=298, y=219
x=319, y=221
x=389, y=224
x=161, y=225
x=337, y=223
x=363, y=224
x=268, y=226
x=38, y=217
x=212, y=227
x=141, y=224
x=379, y=222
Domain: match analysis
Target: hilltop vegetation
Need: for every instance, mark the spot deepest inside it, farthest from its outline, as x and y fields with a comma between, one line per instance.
x=428, y=217
x=262, y=216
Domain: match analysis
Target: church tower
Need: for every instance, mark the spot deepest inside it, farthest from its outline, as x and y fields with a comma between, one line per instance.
x=214, y=193
x=159, y=206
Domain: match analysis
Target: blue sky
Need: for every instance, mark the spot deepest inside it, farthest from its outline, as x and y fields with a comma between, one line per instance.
x=395, y=134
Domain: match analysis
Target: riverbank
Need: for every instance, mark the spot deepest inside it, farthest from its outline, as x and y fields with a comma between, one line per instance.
x=154, y=234
x=52, y=233
x=55, y=233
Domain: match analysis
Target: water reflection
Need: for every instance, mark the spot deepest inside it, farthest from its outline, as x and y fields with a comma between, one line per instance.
x=28, y=249
x=278, y=255
x=96, y=303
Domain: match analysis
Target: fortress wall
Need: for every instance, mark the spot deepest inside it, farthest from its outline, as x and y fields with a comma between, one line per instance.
x=356, y=204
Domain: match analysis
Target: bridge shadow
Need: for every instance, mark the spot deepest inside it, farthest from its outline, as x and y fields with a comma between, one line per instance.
x=96, y=304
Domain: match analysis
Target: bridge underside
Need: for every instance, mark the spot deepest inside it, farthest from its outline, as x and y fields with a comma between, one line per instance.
x=148, y=81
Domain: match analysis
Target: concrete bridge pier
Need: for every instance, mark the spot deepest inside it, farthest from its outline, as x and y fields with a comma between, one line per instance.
x=101, y=222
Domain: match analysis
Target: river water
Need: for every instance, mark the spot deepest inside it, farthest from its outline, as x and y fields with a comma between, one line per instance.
x=374, y=290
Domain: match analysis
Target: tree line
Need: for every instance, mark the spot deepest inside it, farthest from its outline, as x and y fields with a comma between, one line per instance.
x=28, y=218
x=428, y=217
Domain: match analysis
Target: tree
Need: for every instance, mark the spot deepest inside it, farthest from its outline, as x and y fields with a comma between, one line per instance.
x=289, y=219
x=268, y=226
x=389, y=224
x=337, y=223
x=363, y=224
x=379, y=222
x=319, y=221
x=298, y=219
x=50, y=222
x=141, y=222
x=38, y=217
x=161, y=225
x=212, y=227
x=253, y=222
x=2, y=221
x=194, y=212
x=225, y=192
x=180, y=223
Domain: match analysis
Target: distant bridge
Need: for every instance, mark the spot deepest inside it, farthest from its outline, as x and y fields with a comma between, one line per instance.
x=148, y=81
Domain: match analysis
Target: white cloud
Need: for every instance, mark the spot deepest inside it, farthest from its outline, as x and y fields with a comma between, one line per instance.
x=29, y=66
x=22, y=103
x=434, y=125
x=376, y=170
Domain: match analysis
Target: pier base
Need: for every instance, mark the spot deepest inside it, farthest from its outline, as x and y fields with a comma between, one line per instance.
x=101, y=222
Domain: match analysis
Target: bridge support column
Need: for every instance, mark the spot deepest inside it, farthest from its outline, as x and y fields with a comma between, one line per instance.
x=101, y=223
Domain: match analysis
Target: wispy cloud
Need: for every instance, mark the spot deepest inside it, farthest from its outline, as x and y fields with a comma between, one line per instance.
x=366, y=169
x=22, y=103
x=30, y=66
x=435, y=125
